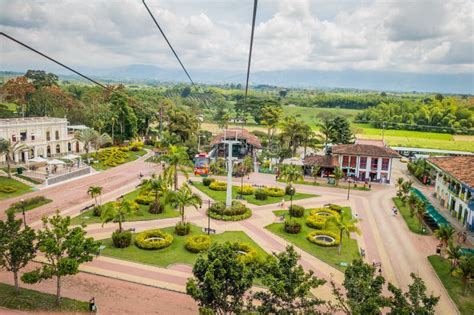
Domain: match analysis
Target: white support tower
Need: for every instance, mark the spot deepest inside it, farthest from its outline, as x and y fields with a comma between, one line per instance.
x=230, y=159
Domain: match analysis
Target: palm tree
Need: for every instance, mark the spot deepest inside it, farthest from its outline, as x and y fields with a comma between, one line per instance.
x=326, y=128
x=314, y=172
x=87, y=137
x=244, y=167
x=184, y=197
x=100, y=141
x=466, y=270
x=343, y=225
x=338, y=174
x=159, y=186
x=118, y=211
x=94, y=192
x=291, y=174
x=177, y=158
x=420, y=209
x=412, y=202
x=454, y=254
x=9, y=149
x=444, y=233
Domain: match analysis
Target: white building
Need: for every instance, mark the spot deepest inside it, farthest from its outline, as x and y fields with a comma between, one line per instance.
x=455, y=186
x=43, y=136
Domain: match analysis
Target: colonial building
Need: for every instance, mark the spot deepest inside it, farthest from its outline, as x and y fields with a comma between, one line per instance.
x=247, y=146
x=454, y=186
x=365, y=162
x=326, y=164
x=43, y=136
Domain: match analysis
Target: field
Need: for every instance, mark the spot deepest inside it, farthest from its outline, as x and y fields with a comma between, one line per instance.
x=312, y=115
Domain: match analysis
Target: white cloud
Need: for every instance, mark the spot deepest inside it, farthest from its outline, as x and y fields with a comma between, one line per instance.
x=416, y=36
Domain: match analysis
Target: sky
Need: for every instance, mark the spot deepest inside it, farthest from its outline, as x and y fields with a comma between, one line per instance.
x=419, y=36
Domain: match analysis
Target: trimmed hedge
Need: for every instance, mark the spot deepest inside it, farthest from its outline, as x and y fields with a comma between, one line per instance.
x=219, y=186
x=7, y=189
x=198, y=243
x=318, y=211
x=206, y=181
x=246, y=190
x=250, y=255
x=260, y=194
x=311, y=238
x=28, y=202
x=182, y=228
x=121, y=239
x=143, y=199
x=316, y=221
x=143, y=241
x=335, y=207
x=274, y=191
x=292, y=226
x=237, y=212
x=296, y=211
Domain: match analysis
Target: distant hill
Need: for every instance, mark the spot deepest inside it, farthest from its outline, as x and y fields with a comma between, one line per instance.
x=352, y=79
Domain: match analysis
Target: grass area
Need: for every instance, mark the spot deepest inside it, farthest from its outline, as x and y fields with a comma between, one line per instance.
x=176, y=252
x=349, y=252
x=312, y=115
x=20, y=188
x=411, y=221
x=442, y=267
x=88, y=217
x=30, y=300
x=342, y=184
x=36, y=205
x=131, y=156
x=29, y=179
x=220, y=195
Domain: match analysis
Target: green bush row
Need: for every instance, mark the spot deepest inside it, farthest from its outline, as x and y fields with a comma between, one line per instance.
x=246, y=190
x=218, y=186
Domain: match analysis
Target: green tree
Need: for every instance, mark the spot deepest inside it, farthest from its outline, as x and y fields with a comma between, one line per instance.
x=420, y=211
x=454, y=254
x=415, y=301
x=8, y=149
x=126, y=118
x=186, y=91
x=326, y=128
x=342, y=132
x=412, y=202
x=338, y=174
x=65, y=249
x=291, y=174
x=158, y=185
x=465, y=270
x=41, y=79
x=363, y=290
x=344, y=226
x=17, y=246
x=118, y=212
x=293, y=132
x=220, y=281
x=289, y=286
x=99, y=142
x=94, y=192
x=87, y=137
x=314, y=172
x=177, y=159
x=444, y=234
x=184, y=125
x=184, y=197
x=271, y=116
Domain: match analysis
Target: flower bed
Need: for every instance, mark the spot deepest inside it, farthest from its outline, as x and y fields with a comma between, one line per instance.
x=198, y=243
x=144, y=199
x=7, y=189
x=316, y=221
x=219, y=186
x=323, y=212
x=237, y=212
x=153, y=239
x=274, y=191
x=247, y=253
x=113, y=156
x=246, y=190
x=318, y=237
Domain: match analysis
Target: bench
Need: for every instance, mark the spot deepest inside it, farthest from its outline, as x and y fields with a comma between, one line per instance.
x=213, y=231
x=132, y=229
x=86, y=208
x=327, y=205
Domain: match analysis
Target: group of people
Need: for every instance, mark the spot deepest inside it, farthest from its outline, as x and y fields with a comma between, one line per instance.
x=394, y=211
x=462, y=237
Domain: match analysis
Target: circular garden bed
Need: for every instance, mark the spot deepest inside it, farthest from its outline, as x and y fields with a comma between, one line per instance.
x=198, y=243
x=153, y=239
x=238, y=211
x=323, y=238
x=246, y=252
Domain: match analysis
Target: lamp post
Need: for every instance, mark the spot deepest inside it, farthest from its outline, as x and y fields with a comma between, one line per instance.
x=22, y=201
x=348, y=188
x=292, y=192
x=208, y=216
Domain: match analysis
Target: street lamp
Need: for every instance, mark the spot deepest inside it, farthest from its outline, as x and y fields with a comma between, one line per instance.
x=22, y=201
x=348, y=188
x=208, y=216
x=292, y=192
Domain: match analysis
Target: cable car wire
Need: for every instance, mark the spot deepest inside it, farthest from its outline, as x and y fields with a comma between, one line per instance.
x=250, y=49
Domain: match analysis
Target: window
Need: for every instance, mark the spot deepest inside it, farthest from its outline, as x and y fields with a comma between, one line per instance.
x=48, y=136
x=57, y=134
x=58, y=149
x=14, y=138
x=353, y=161
x=69, y=147
x=385, y=163
x=363, y=162
x=374, y=163
x=345, y=161
x=23, y=136
x=32, y=137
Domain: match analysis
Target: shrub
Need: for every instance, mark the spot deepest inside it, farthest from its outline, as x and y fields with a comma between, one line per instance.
x=198, y=243
x=274, y=192
x=290, y=190
x=144, y=199
x=28, y=202
x=206, y=181
x=7, y=189
x=248, y=254
x=323, y=212
x=136, y=146
x=156, y=207
x=113, y=156
x=292, y=226
x=121, y=239
x=153, y=239
x=219, y=186
x=246, y=190
x=260, y=194
x=316, y=221
x=296, y=211
x=97, y=211
x=217, y=207
x=311, y=238
x=335, y=207
x=237, y=212
x=182, y=228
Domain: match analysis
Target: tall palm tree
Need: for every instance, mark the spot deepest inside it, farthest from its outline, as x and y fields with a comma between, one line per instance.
x=118, y=212
x=87, y=137
x=454, y=254
x=291, y=174
x=466, y=271
x=159, y=187
x=99, y=142
x=177, y=158
x=184, y=197
x=314, y=172
x=94, y=192
x=444, y=233
x=344, y=226
x=420, y=210
x=412, y=202
x=9, y=149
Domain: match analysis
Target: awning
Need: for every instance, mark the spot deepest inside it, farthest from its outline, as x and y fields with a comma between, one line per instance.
x=37, y=159
x=71, y=157
x=55, y=162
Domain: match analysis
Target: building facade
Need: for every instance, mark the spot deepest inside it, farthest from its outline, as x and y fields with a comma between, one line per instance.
x=454, y=186
x=365, y=162
x=43, y=136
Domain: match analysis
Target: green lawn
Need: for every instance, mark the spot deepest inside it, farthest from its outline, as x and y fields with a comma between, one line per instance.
x=342, y=185
x=220, y=195
x=88, y=217
x=411, y=221
x=31, y=180
x=312, y=115
x=349, y=252
x=176, y=252
x=131, y=156
x=20, y=188
x=464, y=302
x=36, y=205
x=30, y=300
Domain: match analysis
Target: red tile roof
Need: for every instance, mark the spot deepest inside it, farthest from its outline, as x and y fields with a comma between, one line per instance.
x=241, y=134
x=326, y=161
x=459, y=167
x=379, y=143
x=364, y=150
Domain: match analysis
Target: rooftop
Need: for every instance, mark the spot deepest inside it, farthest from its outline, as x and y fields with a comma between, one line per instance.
x=326, y=161
x=31, y=120
x=364, y=150
x=379, y=143
x=459, y=167
x=231, y=134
